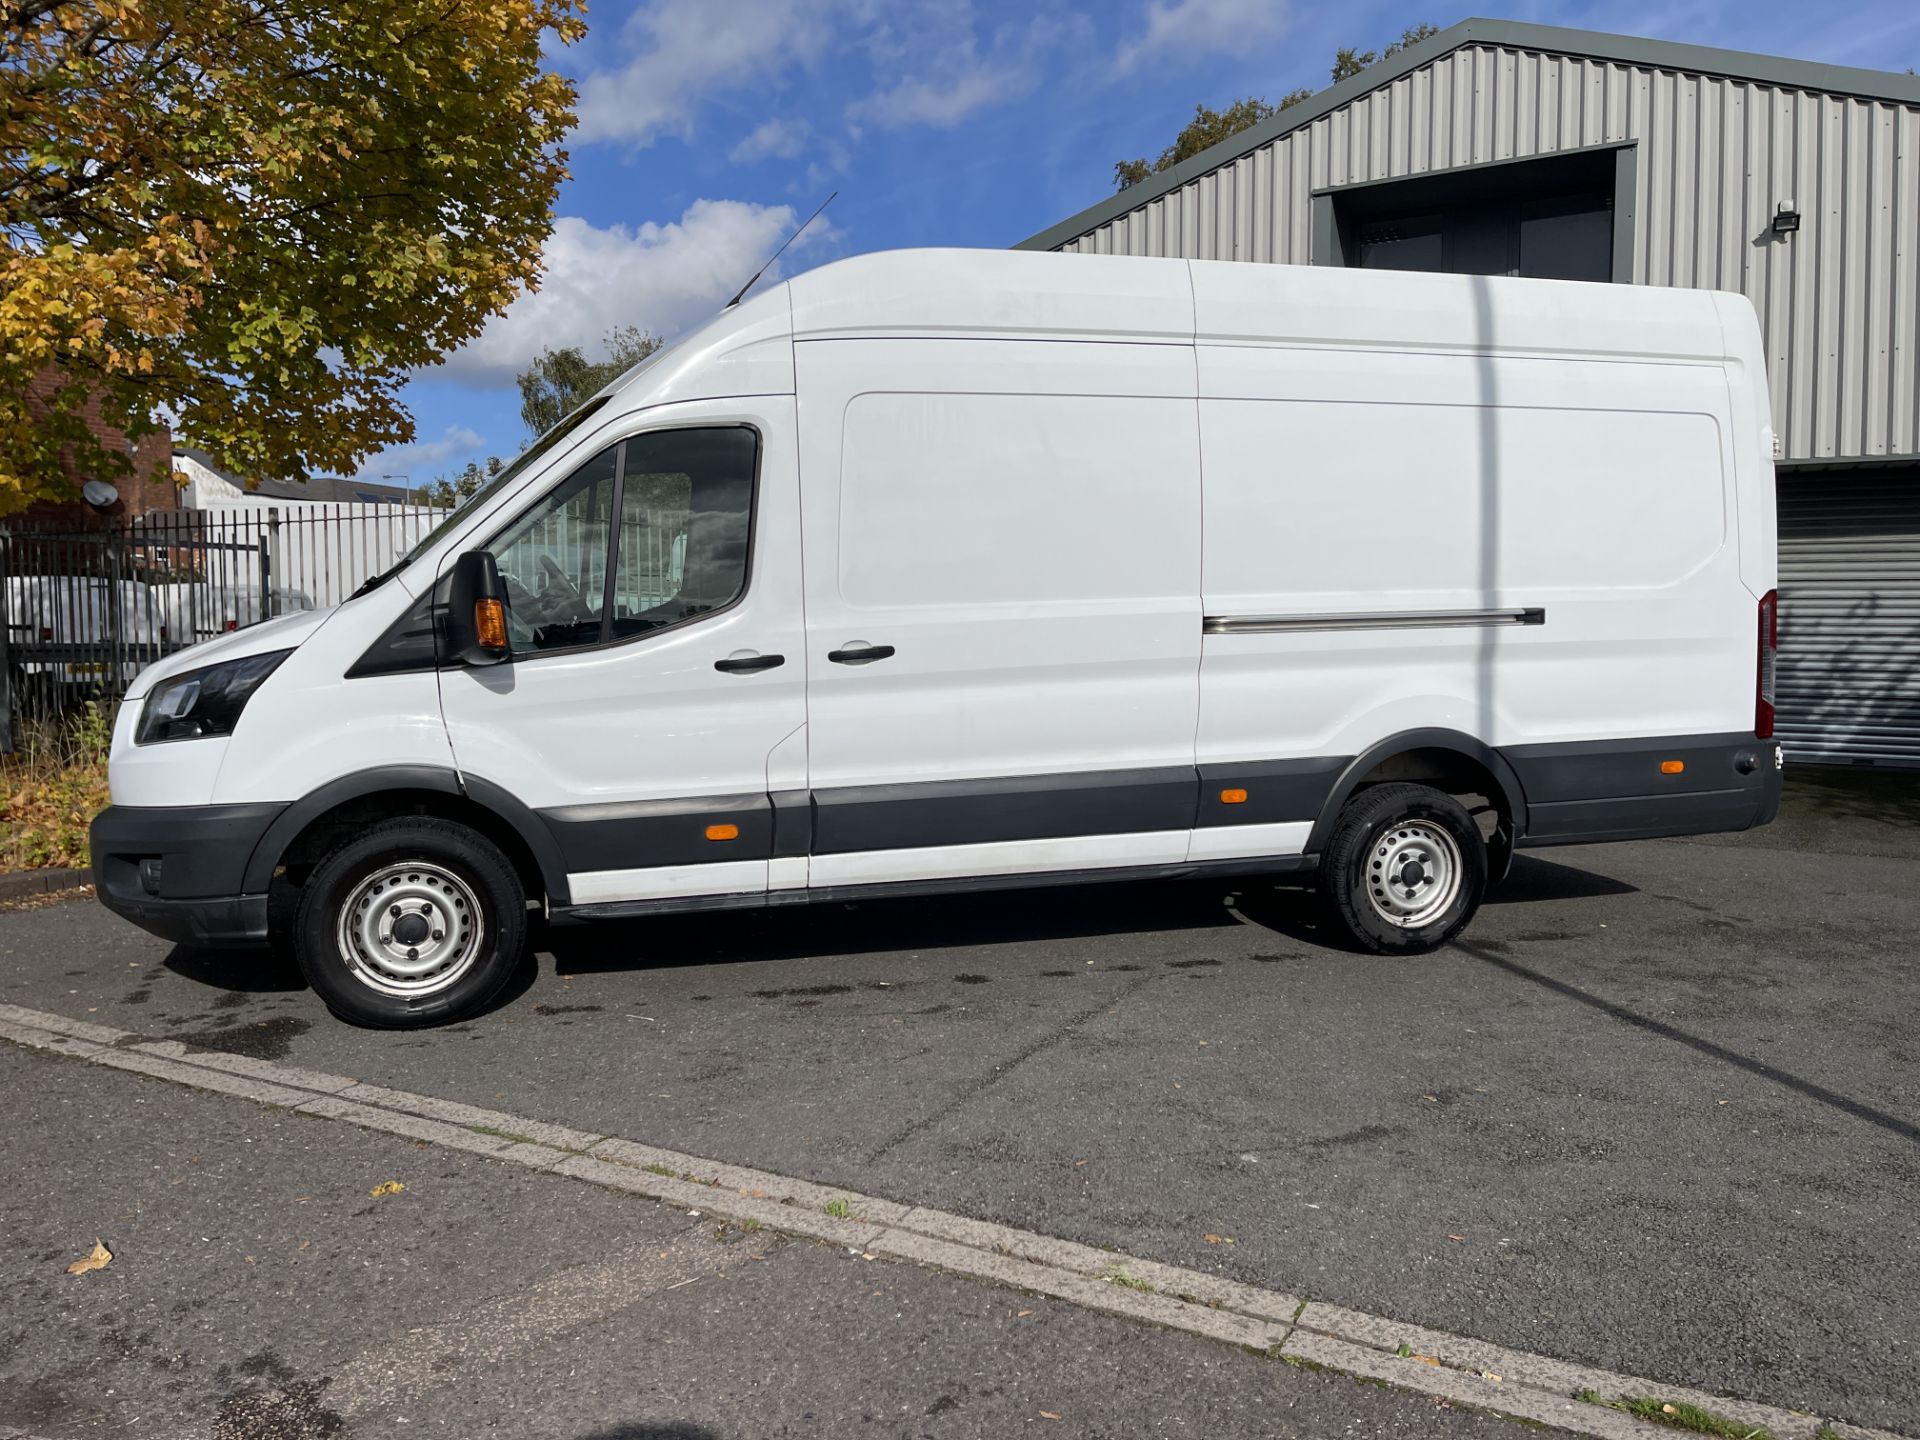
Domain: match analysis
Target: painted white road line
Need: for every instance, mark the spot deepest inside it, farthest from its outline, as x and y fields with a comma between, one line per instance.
x=1471, y=1372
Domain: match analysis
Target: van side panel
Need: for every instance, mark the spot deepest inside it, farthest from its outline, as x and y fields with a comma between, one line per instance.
x=1402, y=490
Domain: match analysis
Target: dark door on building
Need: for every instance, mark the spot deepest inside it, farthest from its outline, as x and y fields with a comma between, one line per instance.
x=1549, y=218
x=1560, y=237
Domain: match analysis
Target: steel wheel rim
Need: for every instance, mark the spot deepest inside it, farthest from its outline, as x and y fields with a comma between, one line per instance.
x=411, y=929
x=1413, y=873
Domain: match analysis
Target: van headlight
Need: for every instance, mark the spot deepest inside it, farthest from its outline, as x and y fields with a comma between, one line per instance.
x=204, y=702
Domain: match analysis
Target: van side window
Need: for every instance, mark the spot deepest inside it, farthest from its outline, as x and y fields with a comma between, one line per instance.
x=553, y=561
x=685, y=520
x=684, y=499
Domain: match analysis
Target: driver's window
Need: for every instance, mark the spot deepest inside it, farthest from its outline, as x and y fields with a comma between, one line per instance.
x=553, y=562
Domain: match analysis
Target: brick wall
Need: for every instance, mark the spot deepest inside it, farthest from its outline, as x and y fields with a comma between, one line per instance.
x=149, y=487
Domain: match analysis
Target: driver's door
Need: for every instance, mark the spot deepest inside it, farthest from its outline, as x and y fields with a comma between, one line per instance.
x=657, y=690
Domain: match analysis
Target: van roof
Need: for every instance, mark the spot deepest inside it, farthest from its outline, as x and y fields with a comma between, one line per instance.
x=1039, y=295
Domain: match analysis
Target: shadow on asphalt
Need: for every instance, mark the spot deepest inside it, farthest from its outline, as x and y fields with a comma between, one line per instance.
x=647, y=1430
x=1533, y=879
x=1893, y=1124
x=1001, y=917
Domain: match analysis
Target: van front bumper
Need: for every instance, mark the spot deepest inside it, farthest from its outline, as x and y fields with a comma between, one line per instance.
x=178, y=871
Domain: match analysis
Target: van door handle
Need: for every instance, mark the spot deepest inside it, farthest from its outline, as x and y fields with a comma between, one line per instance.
x=747, y=664
x=860, y=655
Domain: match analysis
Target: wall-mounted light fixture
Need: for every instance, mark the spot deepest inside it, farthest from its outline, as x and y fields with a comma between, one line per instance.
x=1786, y=219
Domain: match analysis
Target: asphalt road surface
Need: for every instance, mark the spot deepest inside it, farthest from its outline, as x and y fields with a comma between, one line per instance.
x=1658, y=1112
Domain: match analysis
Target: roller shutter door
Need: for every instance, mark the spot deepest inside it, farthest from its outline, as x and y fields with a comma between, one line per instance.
x=1849, y=683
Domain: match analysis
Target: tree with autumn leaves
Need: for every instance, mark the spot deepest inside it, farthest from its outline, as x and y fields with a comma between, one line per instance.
x=254, y=218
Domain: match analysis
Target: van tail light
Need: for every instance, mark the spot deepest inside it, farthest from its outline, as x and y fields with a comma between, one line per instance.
x=46, y=632
x=232, y=625
x=1769, y=665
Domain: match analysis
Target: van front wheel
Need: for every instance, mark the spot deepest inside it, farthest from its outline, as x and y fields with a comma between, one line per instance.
x=1405, y=869
x=411, y=922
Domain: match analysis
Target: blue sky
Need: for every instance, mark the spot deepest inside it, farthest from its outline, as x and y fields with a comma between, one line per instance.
x=710, y=127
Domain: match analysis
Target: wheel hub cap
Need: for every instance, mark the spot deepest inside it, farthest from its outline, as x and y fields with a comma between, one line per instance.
x=1413, y=873
x=411, y=929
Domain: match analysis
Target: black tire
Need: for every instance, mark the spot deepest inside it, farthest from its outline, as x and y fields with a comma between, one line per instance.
x=454, y=881
x=1392, y=826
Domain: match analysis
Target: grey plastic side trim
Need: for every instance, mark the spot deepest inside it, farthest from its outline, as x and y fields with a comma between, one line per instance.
x=1368, y=620
x=959, y=885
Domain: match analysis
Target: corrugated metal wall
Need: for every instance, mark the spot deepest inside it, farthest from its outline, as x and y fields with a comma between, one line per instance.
x=1849, y=614
x=1839, y=301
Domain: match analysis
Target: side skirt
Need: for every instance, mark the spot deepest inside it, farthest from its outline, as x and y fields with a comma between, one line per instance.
x=953, y=885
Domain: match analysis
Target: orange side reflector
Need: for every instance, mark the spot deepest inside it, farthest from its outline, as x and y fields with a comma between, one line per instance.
x=1233, y=797
x=1672, y=767
x=723, y=832
x=490, y=624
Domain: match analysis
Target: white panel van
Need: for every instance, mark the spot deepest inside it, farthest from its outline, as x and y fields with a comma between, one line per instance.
x=951, y=570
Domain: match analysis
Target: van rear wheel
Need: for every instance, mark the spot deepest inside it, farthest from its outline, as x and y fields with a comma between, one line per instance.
x=411, y=922
x=1405, y=870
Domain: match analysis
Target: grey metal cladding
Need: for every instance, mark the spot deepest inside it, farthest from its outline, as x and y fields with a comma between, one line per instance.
x=1027, y=807
x=1630, y=50
x=1719, y=140
x=637, y=835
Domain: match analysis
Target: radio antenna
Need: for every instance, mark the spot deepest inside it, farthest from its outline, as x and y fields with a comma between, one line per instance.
x=778, y=253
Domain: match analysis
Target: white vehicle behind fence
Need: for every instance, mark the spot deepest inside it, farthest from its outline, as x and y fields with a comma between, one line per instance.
x=953, y=570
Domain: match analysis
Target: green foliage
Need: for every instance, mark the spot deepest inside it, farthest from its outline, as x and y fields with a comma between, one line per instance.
x=1209, y=126
x=55, y=783
x=555, y=384
x=444, y=492
x=1679, y=1415
x=264, y=216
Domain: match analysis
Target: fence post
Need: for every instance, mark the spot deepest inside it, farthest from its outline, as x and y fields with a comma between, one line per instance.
x=266, y=562
x=114, y=540
x=6, y=665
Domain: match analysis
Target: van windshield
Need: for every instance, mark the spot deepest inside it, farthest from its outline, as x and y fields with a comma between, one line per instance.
x=523, y=462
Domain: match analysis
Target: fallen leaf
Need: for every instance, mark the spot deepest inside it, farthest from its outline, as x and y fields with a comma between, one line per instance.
x=1218, y=1239
x=1426, y=1360
x=250, y=1260
x=1668, y=1410
x=1489, y=1375
x=1048, y=1415
x=1022, y=1314
x=96, y=1260
x=386, y=1187
x=1078, y=1163
x=1456, y=1237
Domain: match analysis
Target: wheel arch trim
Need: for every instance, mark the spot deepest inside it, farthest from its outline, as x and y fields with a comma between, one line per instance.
x=1513, y=795
x=438, y=779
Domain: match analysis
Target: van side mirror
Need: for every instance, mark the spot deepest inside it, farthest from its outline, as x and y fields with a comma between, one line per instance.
x=477, y=611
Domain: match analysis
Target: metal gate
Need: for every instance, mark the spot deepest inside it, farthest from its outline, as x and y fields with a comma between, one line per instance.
x=85, y=611
x=1849, y=681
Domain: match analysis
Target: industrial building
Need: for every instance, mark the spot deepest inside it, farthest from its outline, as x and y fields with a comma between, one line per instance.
x=1503, y=148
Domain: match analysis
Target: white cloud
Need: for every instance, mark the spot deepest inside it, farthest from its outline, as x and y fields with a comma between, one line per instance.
x=690, y=49
x=420, y=457
x=1203, y=27
x=942, y=72
x=659, y=277
x=942, y=100
x=780, y=139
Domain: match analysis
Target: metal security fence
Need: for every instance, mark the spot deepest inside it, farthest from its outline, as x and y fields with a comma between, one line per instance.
x=85, y=611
